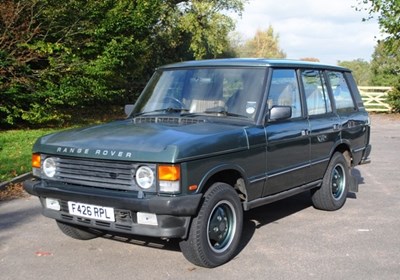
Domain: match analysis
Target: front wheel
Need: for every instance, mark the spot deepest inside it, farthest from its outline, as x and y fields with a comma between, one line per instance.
x=215, y=233
x=335, y=185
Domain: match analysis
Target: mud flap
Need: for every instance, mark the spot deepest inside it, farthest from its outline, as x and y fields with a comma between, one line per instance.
x=353, y=183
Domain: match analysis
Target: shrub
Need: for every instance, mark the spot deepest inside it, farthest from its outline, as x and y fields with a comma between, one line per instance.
x=394, y=98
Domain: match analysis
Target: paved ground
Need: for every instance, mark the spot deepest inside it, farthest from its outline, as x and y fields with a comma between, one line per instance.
x=285, y=240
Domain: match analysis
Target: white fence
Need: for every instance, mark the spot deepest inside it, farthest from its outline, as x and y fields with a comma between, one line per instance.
x=375, y=98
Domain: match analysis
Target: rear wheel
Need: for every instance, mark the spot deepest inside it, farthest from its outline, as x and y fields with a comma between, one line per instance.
x=77, y=232
x=335, y=185
x=215, y=233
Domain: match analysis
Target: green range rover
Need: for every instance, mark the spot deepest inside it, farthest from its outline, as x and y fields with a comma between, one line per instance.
x=205, y=141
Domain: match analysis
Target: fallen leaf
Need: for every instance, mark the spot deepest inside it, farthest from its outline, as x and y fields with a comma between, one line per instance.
x=43, y=254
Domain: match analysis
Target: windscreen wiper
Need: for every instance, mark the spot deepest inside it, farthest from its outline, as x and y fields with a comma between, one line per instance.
x=166, y=110
x=225, y=113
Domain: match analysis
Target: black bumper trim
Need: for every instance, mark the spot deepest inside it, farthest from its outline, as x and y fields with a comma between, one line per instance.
x=169, y=226
x=176, y=206
x=365, y=157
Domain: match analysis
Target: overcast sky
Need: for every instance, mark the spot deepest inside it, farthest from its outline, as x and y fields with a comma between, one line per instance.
x=329, y=30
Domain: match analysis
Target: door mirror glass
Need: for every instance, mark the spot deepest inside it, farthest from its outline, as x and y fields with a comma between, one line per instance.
x=277, y=113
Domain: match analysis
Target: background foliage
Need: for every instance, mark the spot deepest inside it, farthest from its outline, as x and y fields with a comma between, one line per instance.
x=265, y=43
x=63, y=59
x=385, y=65
x=72, y=55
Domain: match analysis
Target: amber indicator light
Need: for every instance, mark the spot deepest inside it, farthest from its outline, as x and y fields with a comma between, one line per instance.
x=36, y=160
x=169, y=172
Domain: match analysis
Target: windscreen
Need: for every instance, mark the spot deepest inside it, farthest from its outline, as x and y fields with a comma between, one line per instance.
x=227, y=91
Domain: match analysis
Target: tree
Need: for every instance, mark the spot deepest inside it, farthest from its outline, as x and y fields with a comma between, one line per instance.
x=208, y=26
x=57, y=55
x=264, y=44
x=18, y=27
x=385, y=63
x=385, y=66
x=361, y=70
x=388, y=13
x=61, y=55
x=312, y=59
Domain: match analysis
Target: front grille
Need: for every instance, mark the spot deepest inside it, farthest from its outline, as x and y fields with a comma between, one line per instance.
x=102, y=174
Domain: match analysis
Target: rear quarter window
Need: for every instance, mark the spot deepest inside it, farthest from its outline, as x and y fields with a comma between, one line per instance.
x=341, y=92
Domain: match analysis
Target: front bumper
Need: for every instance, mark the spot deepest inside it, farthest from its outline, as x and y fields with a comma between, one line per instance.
x=173, y=213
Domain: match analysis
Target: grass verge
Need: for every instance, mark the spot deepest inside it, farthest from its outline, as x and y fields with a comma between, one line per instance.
x=15, y=151
x=16, y=146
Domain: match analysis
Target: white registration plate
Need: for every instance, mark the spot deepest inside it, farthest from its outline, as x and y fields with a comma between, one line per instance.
x=91, y=211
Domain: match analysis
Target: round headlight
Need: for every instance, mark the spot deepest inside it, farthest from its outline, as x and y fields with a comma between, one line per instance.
x=145, y=177
x=49, y=167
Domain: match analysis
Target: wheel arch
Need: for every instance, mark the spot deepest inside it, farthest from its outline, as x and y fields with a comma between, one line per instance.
x=232, y=175
x=344, y=148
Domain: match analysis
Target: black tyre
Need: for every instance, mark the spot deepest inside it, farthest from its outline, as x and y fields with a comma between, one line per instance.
x=77, y=232
x=335, y=185
x=215, y=233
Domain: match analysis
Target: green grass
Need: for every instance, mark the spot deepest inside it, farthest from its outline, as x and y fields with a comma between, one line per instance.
x=15, y=151
x=16, y=145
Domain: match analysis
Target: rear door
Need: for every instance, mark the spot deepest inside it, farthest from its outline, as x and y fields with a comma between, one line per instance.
x=288, y=145
x=352, y=122
x=324, y=123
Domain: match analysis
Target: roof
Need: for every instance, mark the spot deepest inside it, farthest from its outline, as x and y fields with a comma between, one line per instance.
x=252, y=62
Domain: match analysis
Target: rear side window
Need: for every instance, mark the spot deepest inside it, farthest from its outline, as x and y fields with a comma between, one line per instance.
x=341, y=92
x=284, y=91
x=316, y=92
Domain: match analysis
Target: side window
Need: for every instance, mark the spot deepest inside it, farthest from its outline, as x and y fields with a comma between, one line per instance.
x=341, y=92
x=284, y=91
x=316, y=92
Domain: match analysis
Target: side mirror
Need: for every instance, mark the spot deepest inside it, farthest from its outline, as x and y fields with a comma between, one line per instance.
x=277, y=113
x=129, y=109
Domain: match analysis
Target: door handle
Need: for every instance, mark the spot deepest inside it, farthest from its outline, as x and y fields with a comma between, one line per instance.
x=305, y=132
x=336, y=126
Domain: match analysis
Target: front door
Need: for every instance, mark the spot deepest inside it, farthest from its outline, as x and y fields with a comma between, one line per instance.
x=288, y=143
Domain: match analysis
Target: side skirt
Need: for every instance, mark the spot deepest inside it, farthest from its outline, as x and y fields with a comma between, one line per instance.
x=247, y=205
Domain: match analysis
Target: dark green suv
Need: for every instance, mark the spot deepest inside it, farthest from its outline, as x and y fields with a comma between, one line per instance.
x=205, y=141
